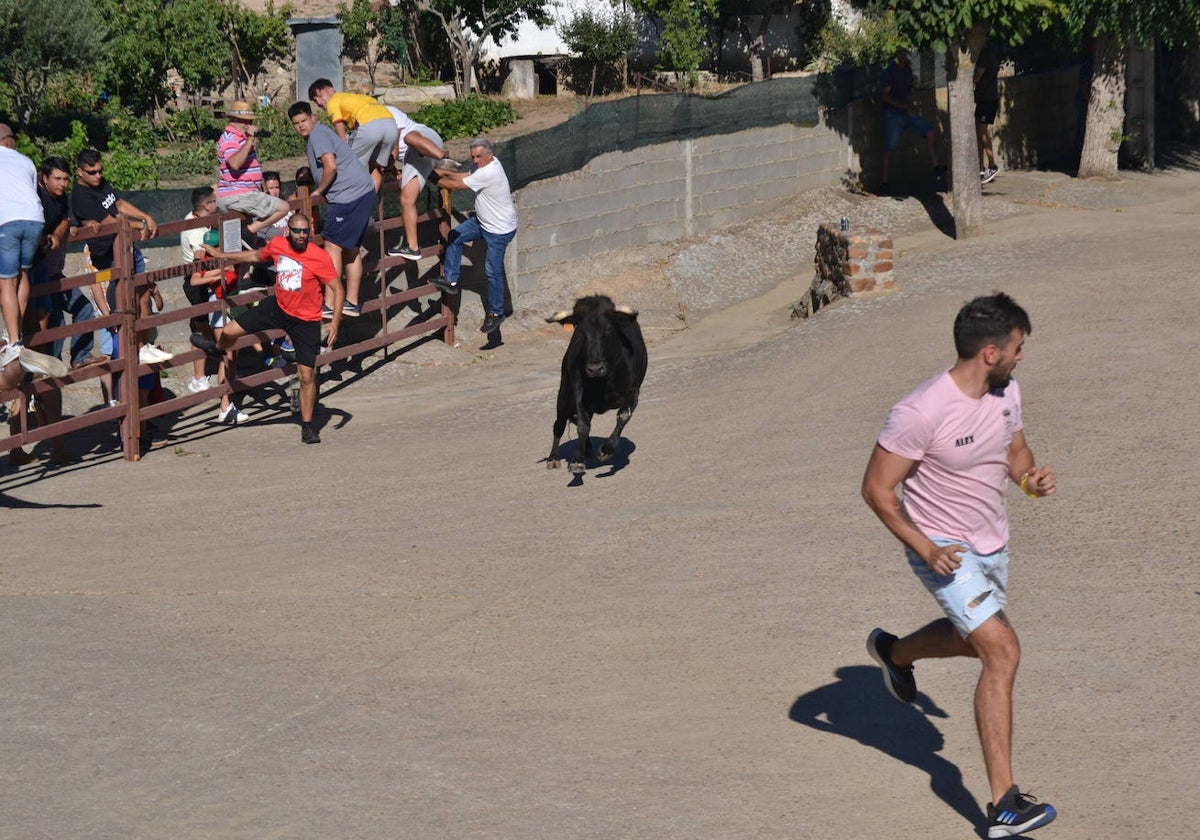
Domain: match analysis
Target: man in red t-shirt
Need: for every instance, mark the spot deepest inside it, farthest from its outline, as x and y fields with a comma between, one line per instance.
x=300, y=273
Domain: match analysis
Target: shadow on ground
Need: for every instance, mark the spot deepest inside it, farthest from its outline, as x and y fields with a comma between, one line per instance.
x=858, y=707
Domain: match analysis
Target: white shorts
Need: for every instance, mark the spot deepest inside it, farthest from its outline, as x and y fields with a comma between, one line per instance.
x=416, y=165
x=976, y=591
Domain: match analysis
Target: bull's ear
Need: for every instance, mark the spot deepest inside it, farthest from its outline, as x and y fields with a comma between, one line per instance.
x=627, y=310
x=563, y=316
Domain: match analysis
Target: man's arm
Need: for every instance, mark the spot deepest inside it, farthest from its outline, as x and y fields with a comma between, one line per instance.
x=328, y=173
x=446, y=180
x=1039, y=481
x=238, y=159
x=885, y=470
x=149, y=226
x=235, y=256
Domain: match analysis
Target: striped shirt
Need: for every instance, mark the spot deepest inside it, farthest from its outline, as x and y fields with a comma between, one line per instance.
x=235, y=181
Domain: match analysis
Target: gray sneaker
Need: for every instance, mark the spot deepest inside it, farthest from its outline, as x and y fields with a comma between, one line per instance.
x=897, y=679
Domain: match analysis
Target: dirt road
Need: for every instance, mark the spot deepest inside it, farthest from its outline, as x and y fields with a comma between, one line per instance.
x=416, y=630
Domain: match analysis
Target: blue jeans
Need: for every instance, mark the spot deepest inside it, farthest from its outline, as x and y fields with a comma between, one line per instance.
x=59, y=304
x=497, y=244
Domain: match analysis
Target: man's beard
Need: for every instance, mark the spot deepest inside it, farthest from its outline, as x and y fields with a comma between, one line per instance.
x=298, y=247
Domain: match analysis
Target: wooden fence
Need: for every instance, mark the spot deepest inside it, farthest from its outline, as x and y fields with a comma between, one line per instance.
x=124, y=318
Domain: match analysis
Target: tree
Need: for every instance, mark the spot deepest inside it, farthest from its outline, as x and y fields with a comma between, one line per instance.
x=373, y=35
x=962, y=27
x=468, y=24
x=196, y=45
x=735, y=15
x=600, y=39
x=255, y=39
x=1114, y=24
x=41, y=41
x=683, y=31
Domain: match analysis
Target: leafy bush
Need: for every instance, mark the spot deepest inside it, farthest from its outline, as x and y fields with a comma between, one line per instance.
x=194, y=123
x=283, y=141
x=874, y=40
x=466, y=117
x=183, y=160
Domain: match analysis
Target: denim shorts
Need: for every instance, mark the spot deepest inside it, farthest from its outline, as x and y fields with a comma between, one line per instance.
x=895, y=123
x=976, y=591
x=18, y=246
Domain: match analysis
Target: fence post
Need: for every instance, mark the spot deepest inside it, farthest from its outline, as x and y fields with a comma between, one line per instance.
x=450, y=312
x=127, y=339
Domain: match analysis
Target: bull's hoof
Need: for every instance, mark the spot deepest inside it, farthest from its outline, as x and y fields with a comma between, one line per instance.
x=604, y=455
x=578, y=468
x=551, y=463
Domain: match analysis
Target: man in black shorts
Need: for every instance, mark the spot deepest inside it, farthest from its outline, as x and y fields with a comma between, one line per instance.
x=301, y=271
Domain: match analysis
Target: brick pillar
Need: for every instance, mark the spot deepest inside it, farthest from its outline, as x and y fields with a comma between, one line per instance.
x=847, y=261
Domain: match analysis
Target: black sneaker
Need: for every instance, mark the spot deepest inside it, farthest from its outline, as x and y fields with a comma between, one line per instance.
x=897, y=679
x=309, y=435
x=402, y=250
x=491, y=323
x=988, y=175
x=1017, y=813
x=208, y=345
x=442, y=284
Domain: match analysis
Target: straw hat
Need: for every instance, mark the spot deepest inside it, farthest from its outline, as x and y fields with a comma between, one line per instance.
x=241, y=109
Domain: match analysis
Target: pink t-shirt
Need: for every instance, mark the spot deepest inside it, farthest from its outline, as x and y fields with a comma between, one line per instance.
x=236, y=181
x=960, y=446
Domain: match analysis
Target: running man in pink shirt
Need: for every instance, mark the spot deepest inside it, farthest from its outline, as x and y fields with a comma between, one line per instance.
x=954, y=443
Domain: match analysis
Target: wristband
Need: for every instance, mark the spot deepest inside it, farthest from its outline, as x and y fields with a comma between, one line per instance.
x=1025, y=487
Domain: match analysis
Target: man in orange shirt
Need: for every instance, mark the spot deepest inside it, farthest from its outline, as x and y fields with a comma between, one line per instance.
x=300, y=272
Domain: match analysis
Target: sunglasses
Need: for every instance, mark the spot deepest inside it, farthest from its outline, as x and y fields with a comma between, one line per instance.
x=95, y=171
x=299, y=231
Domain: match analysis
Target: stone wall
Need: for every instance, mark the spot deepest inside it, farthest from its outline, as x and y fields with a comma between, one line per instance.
x=667, y=191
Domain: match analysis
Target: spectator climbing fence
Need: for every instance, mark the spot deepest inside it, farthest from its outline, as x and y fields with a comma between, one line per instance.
x=399, y=282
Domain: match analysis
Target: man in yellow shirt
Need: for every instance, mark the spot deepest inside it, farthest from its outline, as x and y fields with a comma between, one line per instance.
x=362, y=122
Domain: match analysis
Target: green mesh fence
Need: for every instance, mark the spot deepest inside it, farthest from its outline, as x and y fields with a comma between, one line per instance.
x=649, y=119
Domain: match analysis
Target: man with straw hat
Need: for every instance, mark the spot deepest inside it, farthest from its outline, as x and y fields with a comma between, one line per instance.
x=240, y=184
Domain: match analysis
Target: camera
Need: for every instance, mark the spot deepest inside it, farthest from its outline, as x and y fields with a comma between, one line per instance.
x=263, y=133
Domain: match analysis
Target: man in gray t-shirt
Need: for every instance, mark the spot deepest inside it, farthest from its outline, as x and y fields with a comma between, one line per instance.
x=347, y=186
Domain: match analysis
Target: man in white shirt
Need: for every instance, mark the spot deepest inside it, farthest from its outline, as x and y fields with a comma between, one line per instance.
x=21, y=223
x=495, y=220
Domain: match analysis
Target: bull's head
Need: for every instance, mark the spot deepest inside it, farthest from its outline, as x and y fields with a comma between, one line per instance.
x=593, y=318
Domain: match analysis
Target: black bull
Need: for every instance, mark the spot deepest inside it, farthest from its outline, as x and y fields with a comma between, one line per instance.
x=602, y=369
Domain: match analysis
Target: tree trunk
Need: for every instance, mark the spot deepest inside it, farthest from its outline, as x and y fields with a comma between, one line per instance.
x=964, y=146
x=1106, y=111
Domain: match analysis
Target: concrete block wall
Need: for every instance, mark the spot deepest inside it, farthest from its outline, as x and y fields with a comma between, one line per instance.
x=667, y=191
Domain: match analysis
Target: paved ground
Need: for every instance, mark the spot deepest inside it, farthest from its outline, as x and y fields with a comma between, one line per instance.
x=416, y=630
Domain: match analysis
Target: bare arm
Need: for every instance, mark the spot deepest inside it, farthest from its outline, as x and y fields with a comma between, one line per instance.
x=149, y=226
x=328, y=173
x=885, y=470
x=448, y=180
x=235, y=256
x=238, y=159
x=1040, y=481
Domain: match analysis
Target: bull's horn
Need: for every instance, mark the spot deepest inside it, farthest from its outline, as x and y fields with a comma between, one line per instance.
x=627, y=310
x=560, y=316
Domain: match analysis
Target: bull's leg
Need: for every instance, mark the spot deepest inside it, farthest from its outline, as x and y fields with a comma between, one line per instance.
x=583, y=422
x=560, y=425
x=610, y=445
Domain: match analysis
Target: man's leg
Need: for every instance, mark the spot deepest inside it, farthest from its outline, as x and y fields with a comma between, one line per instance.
x=335, y=254
x=11, y=307
x=353, y=267
x=308, y=392
x=468, y=231
x=497, y=244
x=76, y=304
x=409, y=193
x=996, y=644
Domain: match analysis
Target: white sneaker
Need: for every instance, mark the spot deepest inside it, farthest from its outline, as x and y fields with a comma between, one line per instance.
x=152, y=355
x=232, y=415
x=36, y=362
x=198, y=385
